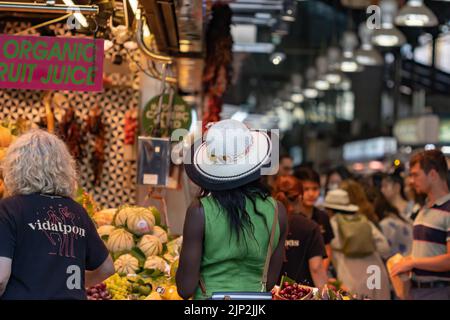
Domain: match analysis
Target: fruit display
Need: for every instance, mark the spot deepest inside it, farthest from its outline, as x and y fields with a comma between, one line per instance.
x=104, y=217
x=118, y=286
x=334, y=290
x=98, y=292
x=141, y=222
x=145, y=256
x=169, y=293
x=154, y=296
x=105, y=231
x=150, y=245
x=126, y=264
x=173, y=250
x=140, y=287
x=120, y=240
x=87, y=202
x=329, y=293
x=292, y=291
x=138, y=220
x=160, y=233
x=156, y=263
x=6, y=137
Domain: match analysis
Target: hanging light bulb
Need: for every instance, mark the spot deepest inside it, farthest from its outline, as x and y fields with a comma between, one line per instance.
x=346, y=84
x=348, y=62
x=416, y=14
x=277, y=58
x=296, y=84
x=333, y=75
x=366, y=55
x=296, y=81
x=322, y=66
x=322, y=85
x=310, y=91
x=289, y=11
x=388, y=35
x=297, y=98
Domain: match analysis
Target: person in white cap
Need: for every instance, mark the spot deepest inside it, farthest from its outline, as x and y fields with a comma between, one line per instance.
x=357, y=248
x=233, y=239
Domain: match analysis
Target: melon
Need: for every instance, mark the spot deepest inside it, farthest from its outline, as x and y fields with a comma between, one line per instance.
x=141, y=222
x=120, y=218
x=160, y=233
x=120, y=240
x=138, y=220
x=126, y=264
x=155, y=263
x=150, y=245
x=104, y=217
x=105, y=231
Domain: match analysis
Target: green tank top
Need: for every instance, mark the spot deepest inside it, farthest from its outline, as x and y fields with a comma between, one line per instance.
x=228, y=264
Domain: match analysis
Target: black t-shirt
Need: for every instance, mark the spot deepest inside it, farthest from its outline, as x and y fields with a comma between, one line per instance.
x=51, y=241
x=322, y=219
x=303, y=242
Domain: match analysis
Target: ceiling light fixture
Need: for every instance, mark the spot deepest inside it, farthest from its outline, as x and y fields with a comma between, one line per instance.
x=289, y=11
x=388, y=35
x=348, y=62
x=277, y=58
x=367, y=55
x=416, y=14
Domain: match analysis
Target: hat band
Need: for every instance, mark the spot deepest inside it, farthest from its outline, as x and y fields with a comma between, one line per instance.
x=226, y=159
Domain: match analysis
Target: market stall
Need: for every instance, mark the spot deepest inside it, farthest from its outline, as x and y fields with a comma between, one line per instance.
x=115, y=81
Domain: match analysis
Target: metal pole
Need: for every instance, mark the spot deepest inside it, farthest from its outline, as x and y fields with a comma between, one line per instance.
x=47, y=8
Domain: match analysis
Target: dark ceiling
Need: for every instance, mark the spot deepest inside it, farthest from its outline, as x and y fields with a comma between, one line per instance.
x=319, y=24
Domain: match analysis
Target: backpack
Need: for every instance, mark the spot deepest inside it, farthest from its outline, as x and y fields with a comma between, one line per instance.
x=356, y=235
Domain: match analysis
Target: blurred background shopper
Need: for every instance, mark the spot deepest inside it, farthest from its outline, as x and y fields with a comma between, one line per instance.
x=305, y=250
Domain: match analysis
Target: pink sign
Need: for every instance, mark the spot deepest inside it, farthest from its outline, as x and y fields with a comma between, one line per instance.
x=51, y=63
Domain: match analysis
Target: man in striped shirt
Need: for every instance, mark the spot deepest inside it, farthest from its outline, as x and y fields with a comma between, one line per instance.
x=430, y=259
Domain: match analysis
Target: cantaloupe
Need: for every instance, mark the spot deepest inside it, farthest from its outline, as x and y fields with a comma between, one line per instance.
x=155, y=263
x=150, y=245
x=126, y=264
x=120, y=240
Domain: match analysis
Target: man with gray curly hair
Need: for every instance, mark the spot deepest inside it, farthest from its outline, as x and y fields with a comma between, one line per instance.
x=49, y=247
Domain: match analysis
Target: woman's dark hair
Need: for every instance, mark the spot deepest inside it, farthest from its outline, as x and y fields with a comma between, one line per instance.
x=307, y=174
x=396, y=179
x=233, y=203
x=383, y=208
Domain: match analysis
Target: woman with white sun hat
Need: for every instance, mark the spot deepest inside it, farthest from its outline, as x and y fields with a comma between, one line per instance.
x=358, y=247
x=234, y=234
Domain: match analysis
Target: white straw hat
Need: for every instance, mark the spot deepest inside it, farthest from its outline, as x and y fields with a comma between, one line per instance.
x=338, y=199
x=231, y=156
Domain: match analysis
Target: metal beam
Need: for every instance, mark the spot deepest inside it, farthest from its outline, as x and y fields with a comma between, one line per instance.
x=46, y=8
